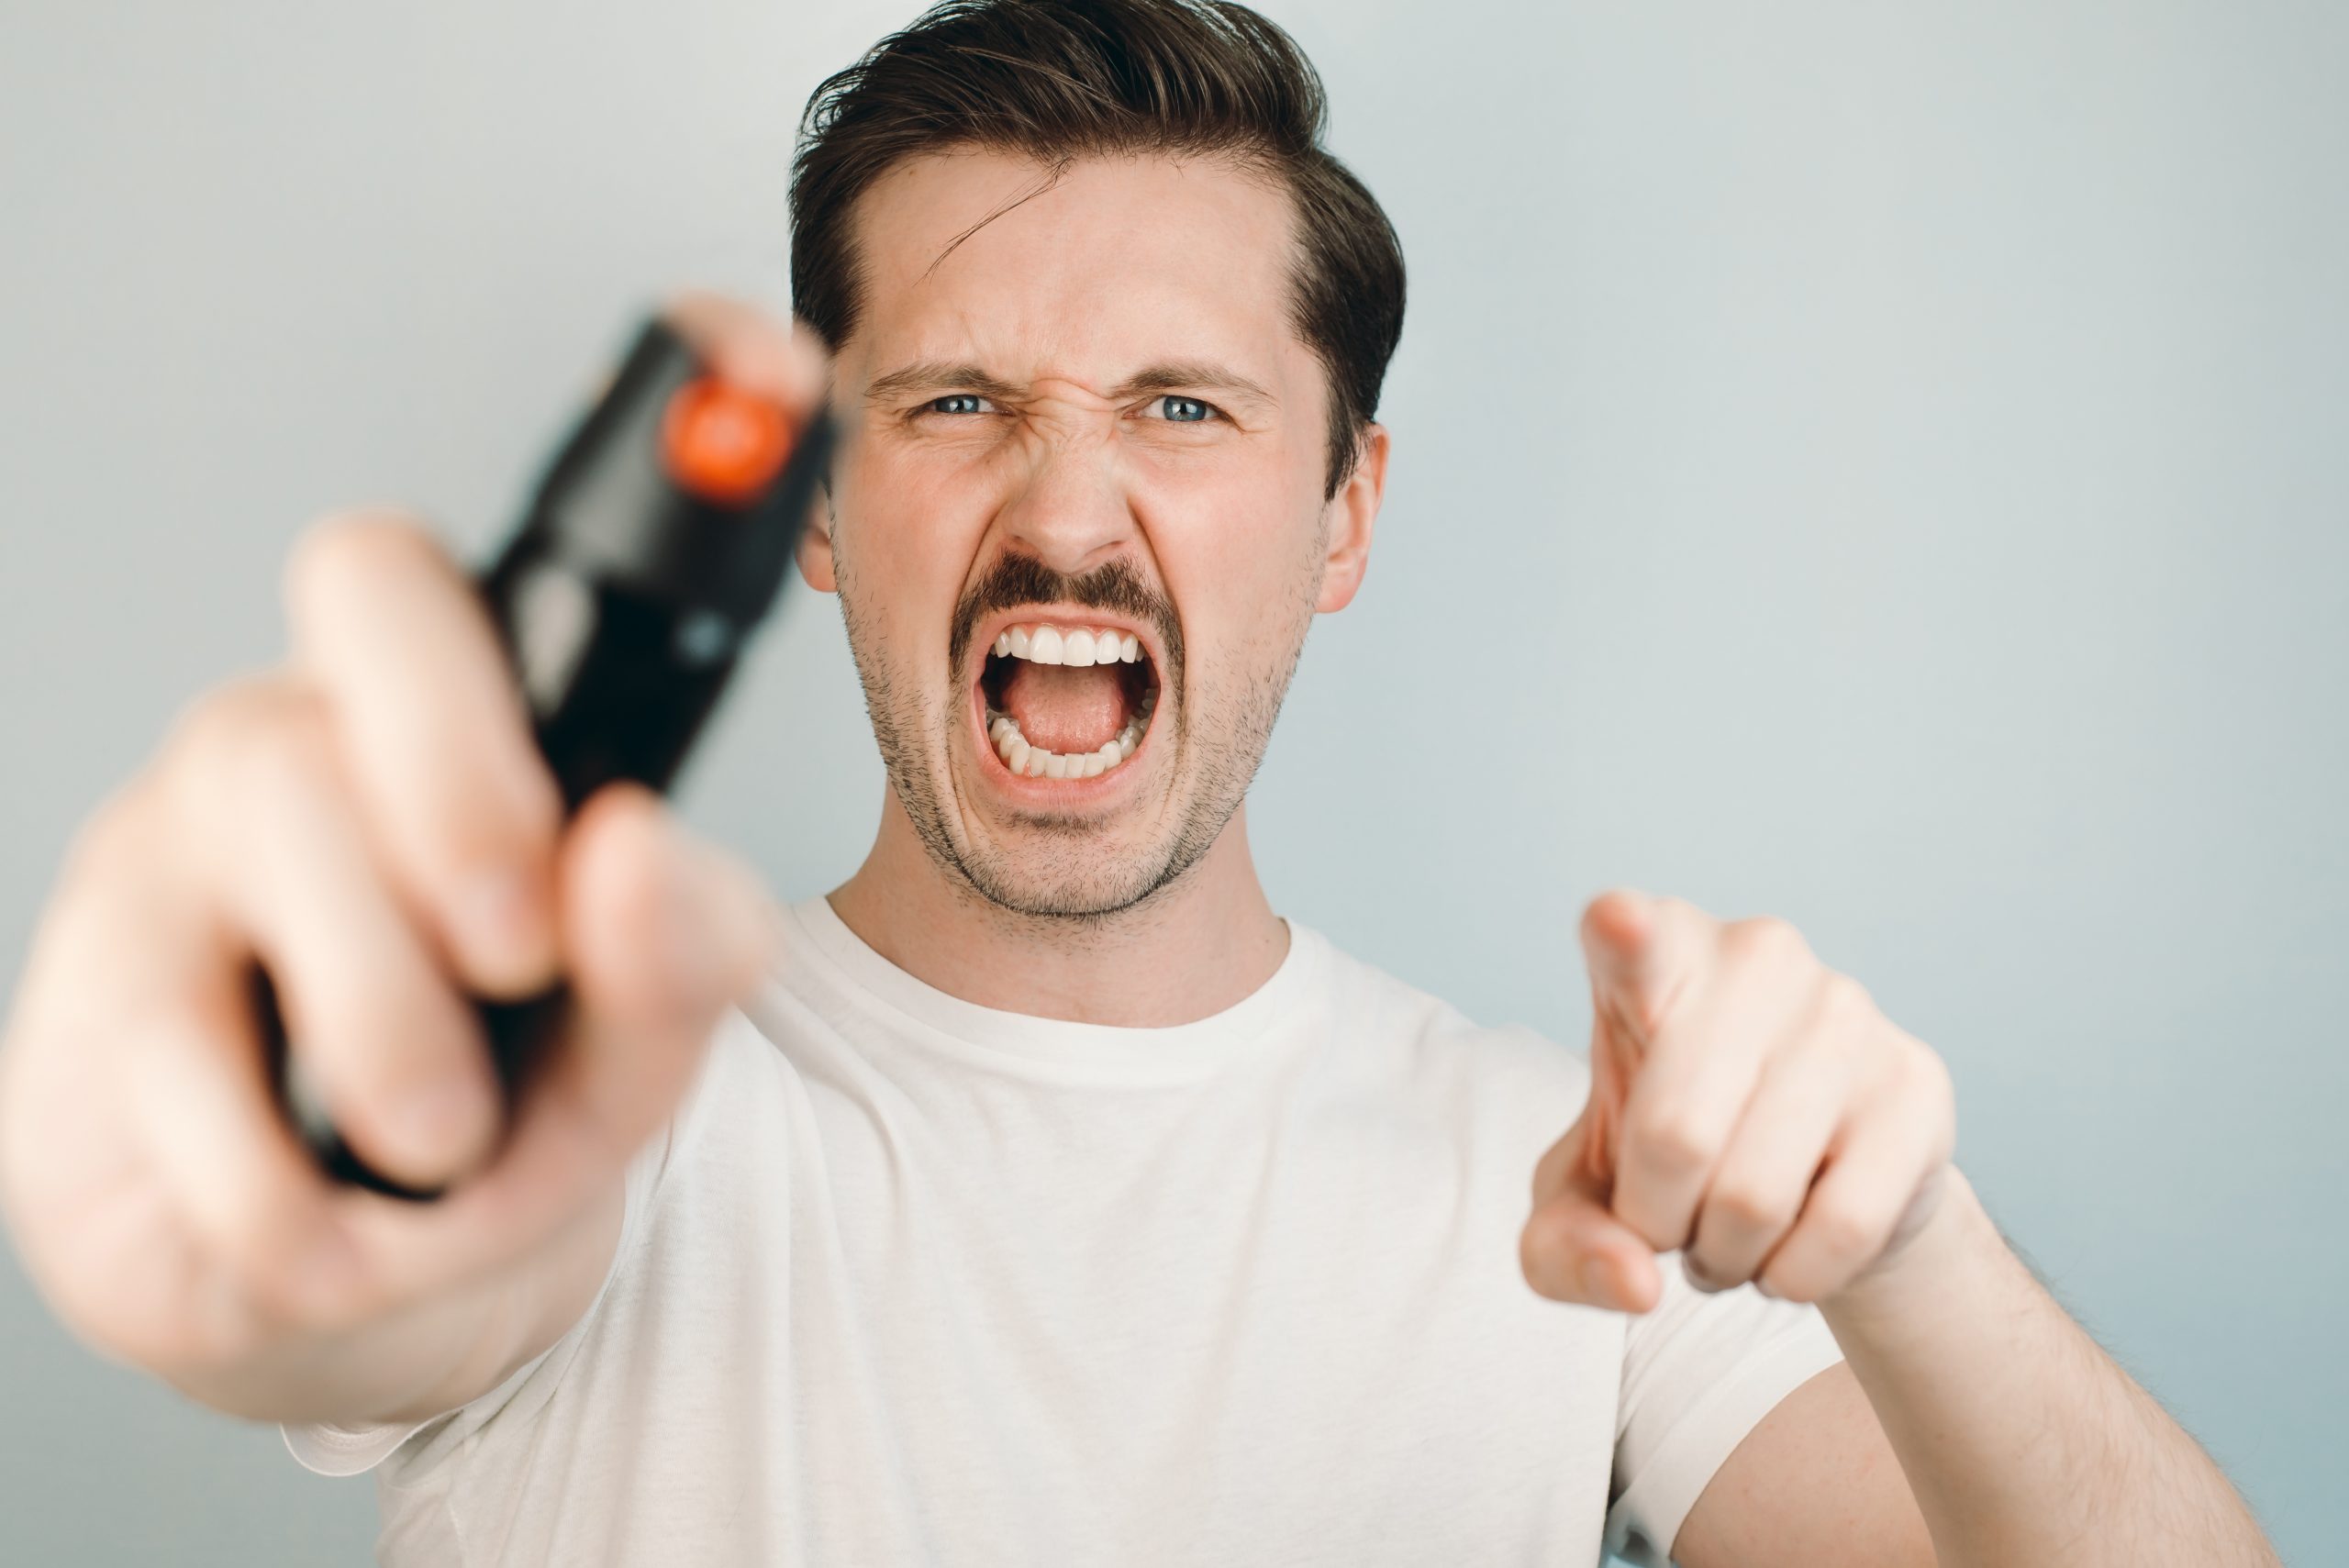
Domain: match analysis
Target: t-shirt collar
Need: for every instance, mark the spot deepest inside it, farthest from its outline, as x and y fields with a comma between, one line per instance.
x=1053, y=1047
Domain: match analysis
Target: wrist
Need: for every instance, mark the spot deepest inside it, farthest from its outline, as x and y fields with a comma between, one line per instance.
x=1922, y=1269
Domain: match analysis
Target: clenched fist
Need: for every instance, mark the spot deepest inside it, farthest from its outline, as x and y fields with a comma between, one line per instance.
x=374, y=823
x=1749, y=1108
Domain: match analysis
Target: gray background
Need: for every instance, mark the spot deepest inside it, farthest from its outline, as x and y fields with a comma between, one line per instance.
x=1877, y=464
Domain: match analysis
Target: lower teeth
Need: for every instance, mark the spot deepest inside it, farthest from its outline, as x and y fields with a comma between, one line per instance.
x=1035, y=762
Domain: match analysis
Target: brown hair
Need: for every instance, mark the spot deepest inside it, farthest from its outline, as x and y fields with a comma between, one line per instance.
x=1059, y=79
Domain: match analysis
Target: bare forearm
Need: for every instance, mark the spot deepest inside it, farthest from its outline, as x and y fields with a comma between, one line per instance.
x=2022, y=1440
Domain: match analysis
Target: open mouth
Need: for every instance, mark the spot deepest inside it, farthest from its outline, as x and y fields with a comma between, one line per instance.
x=1066, y=699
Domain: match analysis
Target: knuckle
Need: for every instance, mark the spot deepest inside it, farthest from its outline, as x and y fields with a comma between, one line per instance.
x=1672, y=907
x=1751, y=1205
x=1672, y=1139
x=248, y=733
x=276, y=763
x=1931, y=1074
x=1766, y=940
x=479, y=807
x=343, y=553
x=111, y=843
x=242, y=757
x=465, y=828
x=1842, y=1232
x=1843, y=1002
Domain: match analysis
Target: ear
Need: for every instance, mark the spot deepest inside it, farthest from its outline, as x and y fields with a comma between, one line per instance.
x=815, y=549
x=1354, y=515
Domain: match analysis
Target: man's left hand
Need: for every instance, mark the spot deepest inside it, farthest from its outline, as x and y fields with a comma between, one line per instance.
x=1749, y=1108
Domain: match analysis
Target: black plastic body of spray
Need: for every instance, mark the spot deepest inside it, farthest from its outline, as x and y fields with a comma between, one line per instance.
x=624, y=601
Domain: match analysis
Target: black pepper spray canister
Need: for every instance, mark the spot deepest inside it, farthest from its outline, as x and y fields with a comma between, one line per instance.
x=655, y=543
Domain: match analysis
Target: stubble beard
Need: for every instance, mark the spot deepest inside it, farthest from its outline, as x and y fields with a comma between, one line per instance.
x=1065, y=876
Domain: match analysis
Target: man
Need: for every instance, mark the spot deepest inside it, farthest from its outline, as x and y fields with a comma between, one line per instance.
x=1048, y=1199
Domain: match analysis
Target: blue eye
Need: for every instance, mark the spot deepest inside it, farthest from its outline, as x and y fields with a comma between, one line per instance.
x=1184, y=410
x=958, y=402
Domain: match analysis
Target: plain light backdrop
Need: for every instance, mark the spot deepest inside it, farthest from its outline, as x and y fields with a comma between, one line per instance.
x=1880, y=465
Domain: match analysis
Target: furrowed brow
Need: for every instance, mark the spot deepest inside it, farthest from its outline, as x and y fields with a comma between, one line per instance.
x=1191, y=376
x=937, y=376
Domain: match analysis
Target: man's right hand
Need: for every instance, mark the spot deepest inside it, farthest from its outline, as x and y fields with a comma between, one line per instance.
x=374, y=823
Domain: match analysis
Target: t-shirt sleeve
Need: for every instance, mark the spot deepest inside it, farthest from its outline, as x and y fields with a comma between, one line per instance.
x=331, y=1449
x=1700, y=1371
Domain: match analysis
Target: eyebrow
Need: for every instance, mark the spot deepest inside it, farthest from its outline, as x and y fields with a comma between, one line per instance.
x=1178, y=375
x=1183, y=375
x=930, y=376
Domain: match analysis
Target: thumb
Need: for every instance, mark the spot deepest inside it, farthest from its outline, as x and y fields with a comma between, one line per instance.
x=662, y=933
x=1573, y=1249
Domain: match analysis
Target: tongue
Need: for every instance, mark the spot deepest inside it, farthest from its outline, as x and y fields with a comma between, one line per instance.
x=1066, y=708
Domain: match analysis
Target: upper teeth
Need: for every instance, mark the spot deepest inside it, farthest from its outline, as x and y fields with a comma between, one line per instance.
x=1068, y=645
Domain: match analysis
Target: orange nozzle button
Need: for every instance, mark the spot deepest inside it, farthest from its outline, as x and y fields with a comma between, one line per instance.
x=722, y=443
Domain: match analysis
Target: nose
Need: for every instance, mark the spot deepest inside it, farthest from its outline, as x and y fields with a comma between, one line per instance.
x=1072, y=513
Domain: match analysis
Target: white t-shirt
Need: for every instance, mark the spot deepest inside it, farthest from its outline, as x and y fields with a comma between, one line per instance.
x=911, y=1281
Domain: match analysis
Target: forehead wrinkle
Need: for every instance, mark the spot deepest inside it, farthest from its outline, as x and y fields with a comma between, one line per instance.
x=1060, y=327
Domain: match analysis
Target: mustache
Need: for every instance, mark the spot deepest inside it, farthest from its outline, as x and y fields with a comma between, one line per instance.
x=1115, y=586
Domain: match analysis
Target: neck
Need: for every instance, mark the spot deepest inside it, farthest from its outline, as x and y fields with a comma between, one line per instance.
x=1195, y=948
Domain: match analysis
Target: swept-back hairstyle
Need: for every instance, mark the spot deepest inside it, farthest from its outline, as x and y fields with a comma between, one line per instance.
x=1059, y=79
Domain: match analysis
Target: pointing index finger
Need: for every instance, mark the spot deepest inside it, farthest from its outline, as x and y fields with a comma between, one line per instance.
x=1643, y=952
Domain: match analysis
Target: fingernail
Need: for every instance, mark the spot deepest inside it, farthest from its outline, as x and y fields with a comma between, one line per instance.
x=1597, y=1283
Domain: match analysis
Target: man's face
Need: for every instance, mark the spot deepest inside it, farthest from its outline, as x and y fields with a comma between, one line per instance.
x=1083, y=422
